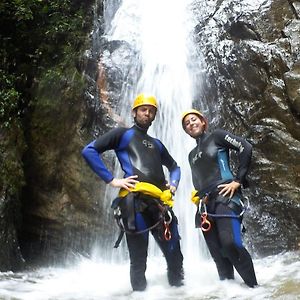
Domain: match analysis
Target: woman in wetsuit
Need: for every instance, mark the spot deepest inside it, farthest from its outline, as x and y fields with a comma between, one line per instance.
x=219, y=194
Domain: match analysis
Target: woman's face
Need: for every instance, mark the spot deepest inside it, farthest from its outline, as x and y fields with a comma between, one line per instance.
x=193, y=125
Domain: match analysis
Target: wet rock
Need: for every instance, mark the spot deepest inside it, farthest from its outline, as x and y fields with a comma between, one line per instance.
x=10, y=253
x=292, y=82
x=252, y=83
x=12, y=147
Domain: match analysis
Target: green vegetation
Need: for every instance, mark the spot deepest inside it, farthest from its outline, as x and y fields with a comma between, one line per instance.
x=35, y=36
x=9, y=99
x=41, y=42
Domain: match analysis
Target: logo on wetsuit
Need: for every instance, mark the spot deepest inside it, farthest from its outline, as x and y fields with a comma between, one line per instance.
x=148, y=144
x=196, y=157
x=234, y=142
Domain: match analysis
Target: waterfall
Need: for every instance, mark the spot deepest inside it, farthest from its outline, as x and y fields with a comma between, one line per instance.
x=153, y=52
x=164, y=62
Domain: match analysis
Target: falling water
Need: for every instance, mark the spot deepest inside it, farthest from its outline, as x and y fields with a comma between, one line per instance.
x=167, y=65
x=164, y=62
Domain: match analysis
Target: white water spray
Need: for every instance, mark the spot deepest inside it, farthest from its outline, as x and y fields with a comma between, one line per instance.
x=168, y=66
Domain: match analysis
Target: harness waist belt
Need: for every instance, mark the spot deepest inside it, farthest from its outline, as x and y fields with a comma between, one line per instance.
x=150, y=190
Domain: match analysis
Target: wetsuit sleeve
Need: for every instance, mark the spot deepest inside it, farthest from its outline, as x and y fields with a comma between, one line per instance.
x=243, y=148
x=170, y=163
x=92, y=152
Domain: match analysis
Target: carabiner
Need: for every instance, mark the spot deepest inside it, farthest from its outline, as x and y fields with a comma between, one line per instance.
x=168, y=220
x=167, y=233
x=205, y=224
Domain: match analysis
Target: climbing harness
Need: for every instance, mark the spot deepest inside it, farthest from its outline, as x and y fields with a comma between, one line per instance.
x=205, y=224
x=163, y=200
x=151, y=190
x=231, y=216
x=162, y=220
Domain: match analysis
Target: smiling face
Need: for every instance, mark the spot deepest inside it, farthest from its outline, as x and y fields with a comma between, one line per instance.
x=144, y=115
x=193, y=125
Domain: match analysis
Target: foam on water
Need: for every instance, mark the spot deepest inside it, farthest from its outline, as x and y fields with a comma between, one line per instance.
x=278, y=277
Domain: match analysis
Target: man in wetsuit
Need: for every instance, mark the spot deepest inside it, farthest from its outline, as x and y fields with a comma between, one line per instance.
x=219, y=194
x=142, y=158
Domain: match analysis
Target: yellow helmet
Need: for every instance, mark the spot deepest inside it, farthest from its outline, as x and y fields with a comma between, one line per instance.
x=196, y=112
x=143, y=99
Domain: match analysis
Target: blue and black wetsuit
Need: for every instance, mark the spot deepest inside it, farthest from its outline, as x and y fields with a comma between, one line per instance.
x=139, y=154
x=209, y=162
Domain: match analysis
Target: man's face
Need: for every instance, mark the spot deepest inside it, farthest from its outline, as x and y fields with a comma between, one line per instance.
x=193, y=125
x=144, y=115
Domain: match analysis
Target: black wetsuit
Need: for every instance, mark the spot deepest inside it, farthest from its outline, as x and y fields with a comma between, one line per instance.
x=139, y=154
x=209, y=162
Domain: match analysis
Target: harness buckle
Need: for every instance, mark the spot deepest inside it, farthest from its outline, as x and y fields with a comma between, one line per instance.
x=117, y=212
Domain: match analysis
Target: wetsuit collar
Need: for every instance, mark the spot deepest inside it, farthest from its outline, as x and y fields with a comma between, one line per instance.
x=140, y=128
x=201, y=138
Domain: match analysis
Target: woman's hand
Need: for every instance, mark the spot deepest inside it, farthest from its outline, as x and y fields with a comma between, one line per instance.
x=229, y=188
x=125, y=183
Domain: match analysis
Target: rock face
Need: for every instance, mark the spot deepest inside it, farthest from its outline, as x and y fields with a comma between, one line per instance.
x=11, y=180
x=252, y=83
x=250, y=87
x=57, y=208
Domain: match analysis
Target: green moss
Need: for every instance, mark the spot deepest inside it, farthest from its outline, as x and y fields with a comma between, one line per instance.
x=56, y=103
x=41, y=43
